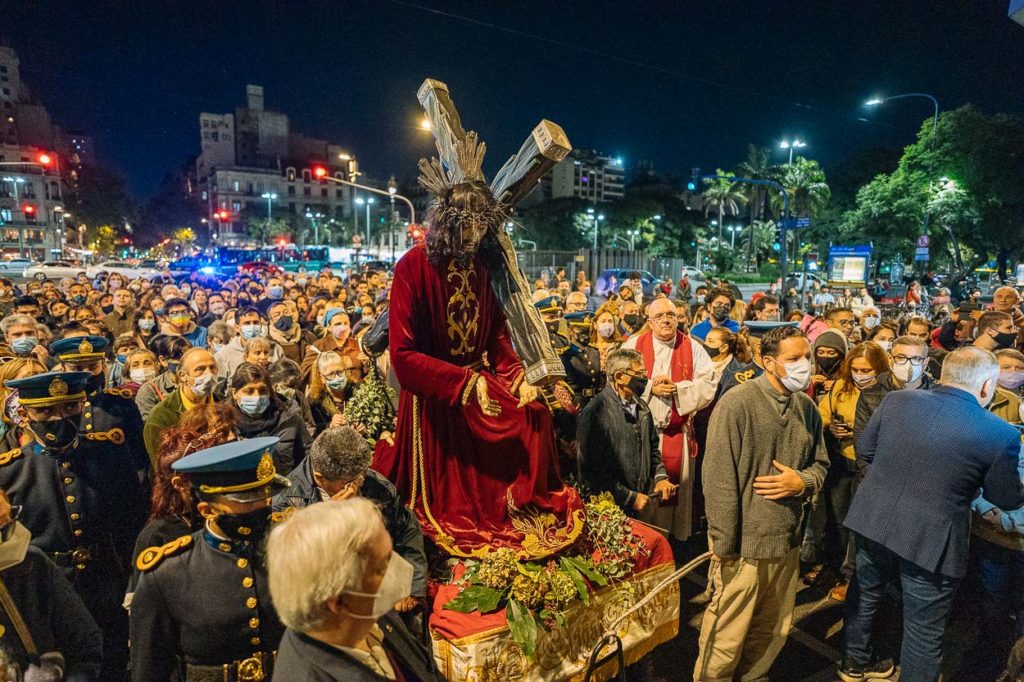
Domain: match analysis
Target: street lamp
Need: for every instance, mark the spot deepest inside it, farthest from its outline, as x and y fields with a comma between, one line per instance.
x=791, y=145
x=367, y=201
x=269, y=196
x=633, y=234
x=733, y=229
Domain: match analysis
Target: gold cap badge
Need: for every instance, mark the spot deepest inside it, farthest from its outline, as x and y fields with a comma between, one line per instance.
x=58, y=388
x=85, y=347
x=265, y=469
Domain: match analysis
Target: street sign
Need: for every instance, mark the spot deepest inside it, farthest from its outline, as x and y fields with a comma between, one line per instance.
x=921, y=253
x=793, y=223
x=923, y=242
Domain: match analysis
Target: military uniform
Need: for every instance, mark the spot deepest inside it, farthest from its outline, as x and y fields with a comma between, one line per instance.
x=110, y=414
x=201, y=609
x=559, y=396
x=736, y=373
x=84, y=507
x=582, y=361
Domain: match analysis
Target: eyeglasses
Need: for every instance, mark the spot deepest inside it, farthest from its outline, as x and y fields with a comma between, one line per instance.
x=846, y=323
x=665, y=316
x=903, y=359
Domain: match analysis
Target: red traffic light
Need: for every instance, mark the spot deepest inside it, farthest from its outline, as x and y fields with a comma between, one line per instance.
x=320, y=172
x=45, y=159
x=222, y=215
x=28, y=209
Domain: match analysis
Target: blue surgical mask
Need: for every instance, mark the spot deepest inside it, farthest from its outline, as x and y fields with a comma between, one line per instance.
x=252, y=331
x=337, y=384
x=275, y=292
x=158, y=311
x=24, y=345
x=254, y=405
x=122, y=358
x=147, y=325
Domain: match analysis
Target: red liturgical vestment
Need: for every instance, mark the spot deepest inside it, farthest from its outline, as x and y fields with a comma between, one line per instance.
x=476, y=482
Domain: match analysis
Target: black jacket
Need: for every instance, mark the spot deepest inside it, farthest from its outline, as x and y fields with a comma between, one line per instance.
x=302, y=658
x=284, y=422
x=400, y=521
x=618, y=453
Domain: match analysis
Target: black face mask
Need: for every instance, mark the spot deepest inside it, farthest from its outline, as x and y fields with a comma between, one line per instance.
x=57, y=434
x=582, y=336
x=828, y=365
x=720, y=313
x=713, y=352
x=95, y=383
x=107, y=309
x=284, y=323
x=631, y=320
x=249, y=527
x=637, y=385
x=78, y=299
x=1005, y=339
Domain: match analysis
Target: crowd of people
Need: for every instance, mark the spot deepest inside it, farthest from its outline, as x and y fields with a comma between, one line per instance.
x=156, y=433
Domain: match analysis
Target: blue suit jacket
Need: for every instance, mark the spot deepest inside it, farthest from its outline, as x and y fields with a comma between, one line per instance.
x=928, y=453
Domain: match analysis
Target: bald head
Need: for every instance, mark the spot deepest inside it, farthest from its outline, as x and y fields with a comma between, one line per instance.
x=663, y=319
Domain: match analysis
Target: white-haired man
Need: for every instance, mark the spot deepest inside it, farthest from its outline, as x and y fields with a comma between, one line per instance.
x=334, y=578
x=911, y=515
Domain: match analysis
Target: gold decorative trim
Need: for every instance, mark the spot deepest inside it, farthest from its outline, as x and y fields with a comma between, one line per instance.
x=32, y=402
x=119, y=392
x=470, y=385
x=265, y=473
x=151, y=557
x=71, y=357
x=115, y=436
x=662, y=633
x=516, y=381
x=9, y=456
x=463, y=310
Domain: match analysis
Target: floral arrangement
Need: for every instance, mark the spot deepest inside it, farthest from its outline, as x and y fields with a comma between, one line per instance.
x=373, y=405
x=536, y=594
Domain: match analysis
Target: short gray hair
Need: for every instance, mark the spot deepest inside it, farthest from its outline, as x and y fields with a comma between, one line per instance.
x=324, y=358
x=317, y=553
x=16, y=321
x=969, y=367
x=620, y=360
x=340, y=454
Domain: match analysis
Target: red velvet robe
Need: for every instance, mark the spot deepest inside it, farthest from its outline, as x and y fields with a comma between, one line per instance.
x=475, y=482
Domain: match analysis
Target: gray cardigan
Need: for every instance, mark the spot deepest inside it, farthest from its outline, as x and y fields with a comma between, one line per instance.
x=752, y=425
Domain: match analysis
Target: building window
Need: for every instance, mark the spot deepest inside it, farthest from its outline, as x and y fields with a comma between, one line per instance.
x=337, y=194
x=291, y=190
x=236, y=206
x=305, y=191
x=236, y=185
x=323, y=191
x=205, y=195
x=6, y=215
x=291, y=175
x=306, y=177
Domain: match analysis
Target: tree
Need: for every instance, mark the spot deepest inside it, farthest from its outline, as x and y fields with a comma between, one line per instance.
x=758, y=239
x=724, y=196
x=184, y=237
x=805, y=183
x=98, y=196
x=559, y=224
x=262, y=230
x=171, y=205
x=757, y=166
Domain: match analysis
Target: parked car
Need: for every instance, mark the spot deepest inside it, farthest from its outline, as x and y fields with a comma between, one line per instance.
x=693, y=273
x=796, y=279
x=54, y=269
x=621, y=275
x=258, y=266
x=16, y=264
x=121, y=267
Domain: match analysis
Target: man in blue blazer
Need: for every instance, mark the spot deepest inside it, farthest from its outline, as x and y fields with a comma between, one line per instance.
x=926, y=454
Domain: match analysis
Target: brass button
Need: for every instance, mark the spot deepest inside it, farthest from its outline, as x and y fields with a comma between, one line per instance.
x=79, y=567
x=255, y=641
x=70, y=499
x=75, y=517
x=68, y=480
x=88, y=415
x=246, y=582
x=88, y=427
x=78, y=532
x=224, y=547
x=65, y=465
x=251, y=602
x=243, y=563
x=254, y=623
x=88, y=404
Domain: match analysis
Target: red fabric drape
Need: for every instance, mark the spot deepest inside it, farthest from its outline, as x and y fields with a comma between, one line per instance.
x=679, y=426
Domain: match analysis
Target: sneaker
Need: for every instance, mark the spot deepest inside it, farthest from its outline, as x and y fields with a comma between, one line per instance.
x=876, y=670
x=838, y=593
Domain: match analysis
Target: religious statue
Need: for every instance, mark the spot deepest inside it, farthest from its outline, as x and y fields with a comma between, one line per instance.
x=474, y=452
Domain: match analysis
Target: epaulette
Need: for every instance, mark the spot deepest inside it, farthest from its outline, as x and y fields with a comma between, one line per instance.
x=152, y=556
x=115, y=436
x=281, y=516
x=119, y=392
x=9, y=456
x=743, y=376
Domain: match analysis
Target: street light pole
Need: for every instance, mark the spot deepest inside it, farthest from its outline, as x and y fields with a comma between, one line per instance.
x=269, y=196
x=412, y=209
x=795, y=144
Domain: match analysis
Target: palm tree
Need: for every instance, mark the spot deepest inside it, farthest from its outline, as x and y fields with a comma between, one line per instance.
x=724, y=196
x=805, y=183
x=758, y=239
x=757, y=166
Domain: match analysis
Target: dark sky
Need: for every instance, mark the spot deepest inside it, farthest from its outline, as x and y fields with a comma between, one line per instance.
x=678, y=83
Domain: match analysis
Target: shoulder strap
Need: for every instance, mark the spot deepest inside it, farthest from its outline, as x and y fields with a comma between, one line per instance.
x=151, y=557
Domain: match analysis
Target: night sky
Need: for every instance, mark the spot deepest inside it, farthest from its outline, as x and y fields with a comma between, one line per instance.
x=679, y=83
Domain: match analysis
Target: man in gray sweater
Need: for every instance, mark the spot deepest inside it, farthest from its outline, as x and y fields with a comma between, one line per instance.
x=765, y=457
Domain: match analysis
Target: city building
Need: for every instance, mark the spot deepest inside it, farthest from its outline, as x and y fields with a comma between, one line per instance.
x=252, y=165
x=586, y=174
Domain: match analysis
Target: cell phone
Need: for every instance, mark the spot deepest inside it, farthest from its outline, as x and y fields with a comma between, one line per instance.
x=838, y=419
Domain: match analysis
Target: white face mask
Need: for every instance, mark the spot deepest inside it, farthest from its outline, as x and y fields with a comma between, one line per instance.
x=908, y=373
x=141, y=375
x=202, y=386
x=605, y=329
x=396, y=586
x=798, y=375
x=885, y=345
x=870, y=322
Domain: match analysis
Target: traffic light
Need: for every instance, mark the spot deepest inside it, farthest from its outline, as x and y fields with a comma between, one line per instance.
x=320, y=173
x=222, y=216
x=778, y=234
x=694, y=184
x=29, y=210
x=44, y=159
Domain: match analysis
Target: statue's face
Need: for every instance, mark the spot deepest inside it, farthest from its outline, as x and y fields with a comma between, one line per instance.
x=472, y=231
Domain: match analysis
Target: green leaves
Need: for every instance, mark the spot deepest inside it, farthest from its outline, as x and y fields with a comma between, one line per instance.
x=577, y=579
x=585, y=567
x=522, y=626
x=475, y=598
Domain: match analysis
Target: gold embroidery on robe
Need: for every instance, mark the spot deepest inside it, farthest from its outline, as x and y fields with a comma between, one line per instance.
x=463, y=310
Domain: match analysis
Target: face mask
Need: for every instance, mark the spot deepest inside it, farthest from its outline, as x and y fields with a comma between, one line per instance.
x=1011, y=379
x=886, y=345
x=863, y=380
x=713, y=352
x=78, y=299
x=114, y=286
x=122, y=358
x=147, y=325
x=630, y=320
x=284, y=323
x=700, y=299
x=250, y=527
x=275, y=292
x=107, y=309
x=96, y=382
x=11, y=406
x=254, y=405
x=605, y=329
x=1005, y=339
x=907, y=373
x=798, y=375
x=396, y=586
x=57, y=434
x=285, y=392
x=586, y=291
x=302, y=281
x=202, y=386
x=720, y=313
x=251, y=331
x=172, y=366
x=141, y=375
x=552, y=327
x=337, y=384
x=870, y=322
x=828, y=365
x=637, y=385
x=218, y=309
x=158, y=311
x=340, y=331
x=24, y=345
x=216, y=347
x=179, y=320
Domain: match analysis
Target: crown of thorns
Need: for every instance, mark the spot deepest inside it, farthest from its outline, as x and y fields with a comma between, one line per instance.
x=448, y=214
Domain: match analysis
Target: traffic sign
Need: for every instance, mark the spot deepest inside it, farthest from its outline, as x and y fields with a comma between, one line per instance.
x=921, y=253
x=923, y=242
x=793, y=223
